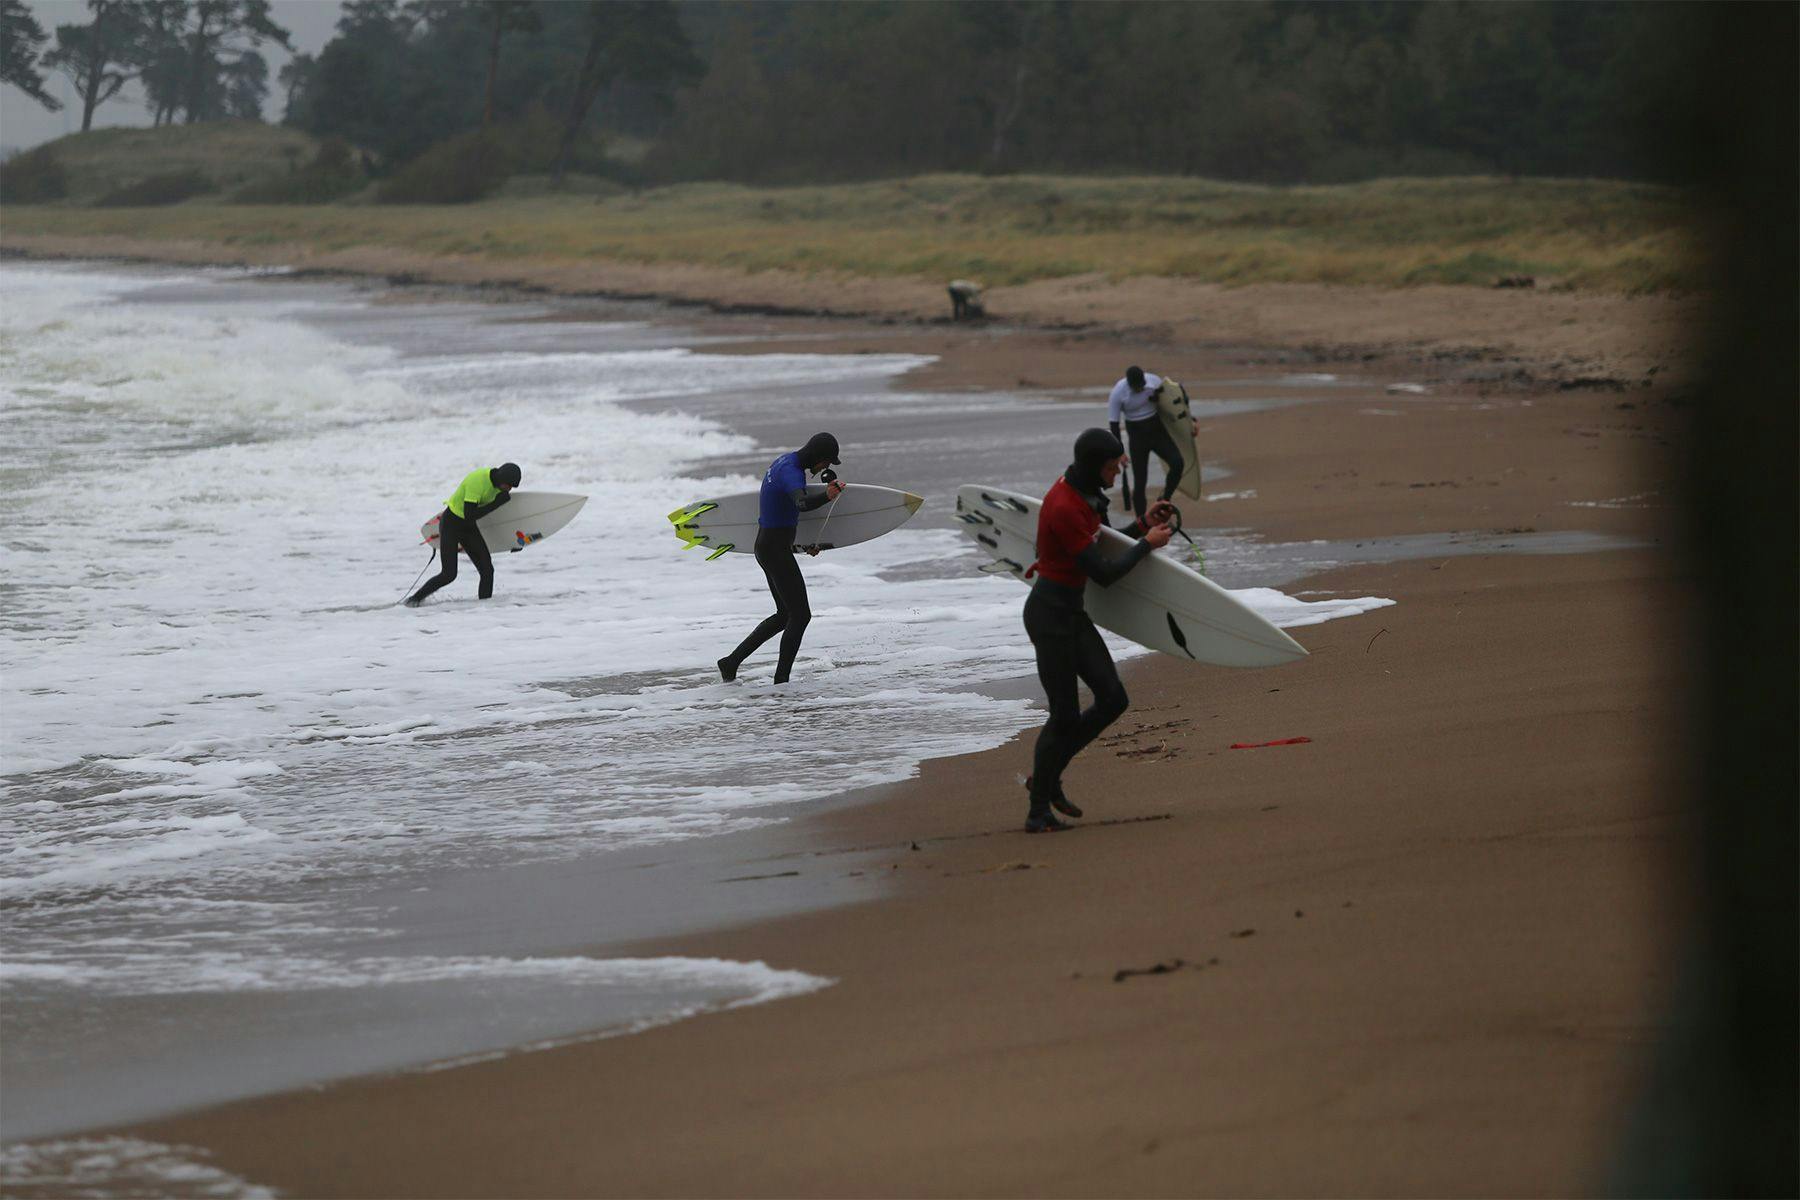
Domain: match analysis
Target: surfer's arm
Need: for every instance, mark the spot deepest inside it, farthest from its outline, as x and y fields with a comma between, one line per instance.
x=1108, y=571
x=474, y=512
x=806, y=503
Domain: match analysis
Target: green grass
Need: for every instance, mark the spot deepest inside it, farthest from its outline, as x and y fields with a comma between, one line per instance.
x=229, y=153
x=1589, y=234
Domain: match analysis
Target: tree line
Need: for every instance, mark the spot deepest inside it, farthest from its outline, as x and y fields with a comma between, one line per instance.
x=197, y=60
x=400, y=77
x=787, y=90
x=1291, y=91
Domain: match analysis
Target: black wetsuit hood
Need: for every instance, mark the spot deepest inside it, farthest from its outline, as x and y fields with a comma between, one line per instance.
x=820, y=450
x=1093, y=450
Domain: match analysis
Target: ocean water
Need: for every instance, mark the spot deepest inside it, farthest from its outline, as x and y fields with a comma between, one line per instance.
x=233, y=765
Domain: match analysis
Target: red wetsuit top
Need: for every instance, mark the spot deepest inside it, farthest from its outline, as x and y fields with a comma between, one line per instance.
x=1067, y=525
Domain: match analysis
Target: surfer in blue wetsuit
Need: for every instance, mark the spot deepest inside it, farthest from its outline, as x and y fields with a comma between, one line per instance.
x=480, y=493
x=1067, y=644
x=784, y=498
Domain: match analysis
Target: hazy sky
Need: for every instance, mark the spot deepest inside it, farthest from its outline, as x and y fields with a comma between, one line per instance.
x=24, y=122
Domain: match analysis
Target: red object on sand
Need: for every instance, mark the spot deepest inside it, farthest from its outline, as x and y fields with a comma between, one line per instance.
x=1260, y=745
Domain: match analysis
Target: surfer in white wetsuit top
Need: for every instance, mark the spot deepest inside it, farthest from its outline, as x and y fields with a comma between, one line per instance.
x=1133, y=400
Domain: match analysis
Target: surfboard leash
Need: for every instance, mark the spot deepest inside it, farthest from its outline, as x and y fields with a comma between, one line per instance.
x=830, y=478
x=1193, y=546
x=419, y=576
x=826, y=523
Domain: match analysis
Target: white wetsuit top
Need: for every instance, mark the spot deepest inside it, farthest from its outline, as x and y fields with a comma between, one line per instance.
x=1139, y=405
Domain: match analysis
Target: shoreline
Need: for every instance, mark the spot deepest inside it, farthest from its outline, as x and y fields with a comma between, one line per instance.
x=981, y=985
x=1517, y=339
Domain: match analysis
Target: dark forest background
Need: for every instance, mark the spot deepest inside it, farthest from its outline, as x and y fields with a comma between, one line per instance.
x=779, y=91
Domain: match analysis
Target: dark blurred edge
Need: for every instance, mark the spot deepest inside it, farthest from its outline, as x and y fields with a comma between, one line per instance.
x=1718, y=1116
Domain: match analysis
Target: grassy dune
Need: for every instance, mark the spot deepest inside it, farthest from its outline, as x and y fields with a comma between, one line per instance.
x=1587, y=234
x=229, y=153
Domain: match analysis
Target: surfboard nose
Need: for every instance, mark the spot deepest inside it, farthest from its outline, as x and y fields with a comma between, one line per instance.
x=912, y=502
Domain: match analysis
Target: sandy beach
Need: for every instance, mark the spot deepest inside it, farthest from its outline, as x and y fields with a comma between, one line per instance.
x=1423, y=953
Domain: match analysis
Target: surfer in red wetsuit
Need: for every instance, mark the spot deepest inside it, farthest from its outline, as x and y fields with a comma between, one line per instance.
x=1067, y=644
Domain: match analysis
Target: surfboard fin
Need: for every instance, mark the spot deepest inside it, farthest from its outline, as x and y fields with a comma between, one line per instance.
x=687, y=513
x=1177, y=634
x=726, y=548
x=1006, y=502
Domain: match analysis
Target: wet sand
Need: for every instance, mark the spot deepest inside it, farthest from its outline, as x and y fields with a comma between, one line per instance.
x=1420, y=954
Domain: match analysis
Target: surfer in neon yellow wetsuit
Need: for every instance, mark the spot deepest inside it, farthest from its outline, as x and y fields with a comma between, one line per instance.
x=784, y=498
x=480, y=493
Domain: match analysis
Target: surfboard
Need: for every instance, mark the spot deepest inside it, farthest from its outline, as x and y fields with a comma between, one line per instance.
x=528, y=518
x=1159, y=604
x=1177, y=418
x=728, y=523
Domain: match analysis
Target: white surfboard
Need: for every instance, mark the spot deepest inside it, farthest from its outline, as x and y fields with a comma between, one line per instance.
x=1159, y=604
x=861, y=511
x=527, y=518
x=1172, y=409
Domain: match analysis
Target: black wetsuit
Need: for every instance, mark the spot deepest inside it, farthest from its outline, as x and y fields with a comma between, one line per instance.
x=1068, y=648
x=455, y=531
x=1144, y=437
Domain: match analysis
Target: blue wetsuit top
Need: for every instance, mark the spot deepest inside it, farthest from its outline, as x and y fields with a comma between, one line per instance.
x=784, y=484
x=784, y=495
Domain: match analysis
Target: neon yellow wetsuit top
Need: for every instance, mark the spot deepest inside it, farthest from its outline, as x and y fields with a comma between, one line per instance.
x=476, y=488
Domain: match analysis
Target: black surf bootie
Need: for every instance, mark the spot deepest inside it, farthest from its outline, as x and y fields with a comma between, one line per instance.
x=1056, y=799
x=1039, y=818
